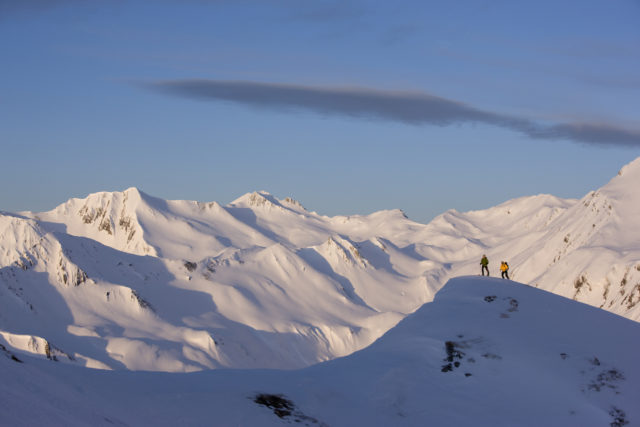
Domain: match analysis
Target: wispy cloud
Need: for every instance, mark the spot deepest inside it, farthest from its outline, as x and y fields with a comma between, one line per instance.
x=596, y=134
x=417, y=108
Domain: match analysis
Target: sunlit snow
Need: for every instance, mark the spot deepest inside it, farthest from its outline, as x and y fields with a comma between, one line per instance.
x=127, y=282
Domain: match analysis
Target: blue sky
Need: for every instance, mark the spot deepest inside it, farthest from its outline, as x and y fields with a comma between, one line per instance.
x=348, y=106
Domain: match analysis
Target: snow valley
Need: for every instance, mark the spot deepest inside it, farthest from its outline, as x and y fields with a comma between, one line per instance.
x=127, y=282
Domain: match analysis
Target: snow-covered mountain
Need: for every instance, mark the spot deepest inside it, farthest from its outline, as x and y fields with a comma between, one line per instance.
x=587, y=250
x=485, y=352
x=124, y=280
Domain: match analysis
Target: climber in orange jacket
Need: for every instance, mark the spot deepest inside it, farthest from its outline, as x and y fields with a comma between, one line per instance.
x=504, y=267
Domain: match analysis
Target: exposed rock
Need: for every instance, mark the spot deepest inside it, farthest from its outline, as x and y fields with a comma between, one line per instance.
x=284, y=408
x=141, y=301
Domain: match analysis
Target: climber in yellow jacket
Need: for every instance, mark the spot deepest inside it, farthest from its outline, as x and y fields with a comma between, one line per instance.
x=504, y=267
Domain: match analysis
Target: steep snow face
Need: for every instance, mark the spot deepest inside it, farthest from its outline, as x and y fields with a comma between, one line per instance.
x=620, y=196
x=583, y=249
x=109, y=218
x=18, y=235
x=124, y=280
x=485, y=352
x=591, y=252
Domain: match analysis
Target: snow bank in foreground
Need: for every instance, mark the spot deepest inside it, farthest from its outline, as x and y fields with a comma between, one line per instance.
x=484, y=352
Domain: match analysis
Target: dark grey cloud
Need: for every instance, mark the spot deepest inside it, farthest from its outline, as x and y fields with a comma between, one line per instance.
x=417, y=108
x=596, y=134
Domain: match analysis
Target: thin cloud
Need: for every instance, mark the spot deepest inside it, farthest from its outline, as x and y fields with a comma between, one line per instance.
x=596, y=134
x=417, y=108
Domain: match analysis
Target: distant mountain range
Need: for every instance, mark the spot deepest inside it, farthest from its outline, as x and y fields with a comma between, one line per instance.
x=124, y=280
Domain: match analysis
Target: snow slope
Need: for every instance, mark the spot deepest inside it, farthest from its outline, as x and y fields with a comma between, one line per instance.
x=588, y=250
x=124, y=280
x=484, y=352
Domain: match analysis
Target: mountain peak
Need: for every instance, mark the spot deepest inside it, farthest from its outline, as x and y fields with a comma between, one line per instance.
x=622, y=189
x=17, y=235
x=630, y=168
x=264, y=199
x=108, y=217
x=134, y=192
x=255, y=199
